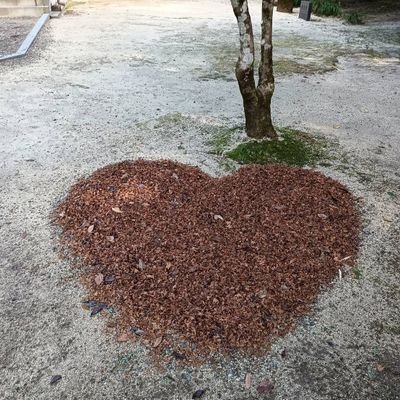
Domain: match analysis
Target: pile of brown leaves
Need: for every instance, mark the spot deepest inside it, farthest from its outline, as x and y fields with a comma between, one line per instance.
x=217, y=264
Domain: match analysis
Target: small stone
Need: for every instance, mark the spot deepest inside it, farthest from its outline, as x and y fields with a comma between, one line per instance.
x=99, y=279
x=199, y=393
x=137, y=331
x=55, y=379
x=265, y=386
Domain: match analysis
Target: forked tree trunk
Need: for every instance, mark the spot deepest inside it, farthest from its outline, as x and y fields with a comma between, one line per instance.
x=285, y=6
x=256, y=99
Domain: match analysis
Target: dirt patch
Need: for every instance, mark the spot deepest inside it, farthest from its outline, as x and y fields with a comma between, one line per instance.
x=13, y=31
x=201, y=265
x=383, y=10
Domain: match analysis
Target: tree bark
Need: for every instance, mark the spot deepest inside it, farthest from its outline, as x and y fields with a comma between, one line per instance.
x=266, y=83
x=256, y=100
x=285, y=6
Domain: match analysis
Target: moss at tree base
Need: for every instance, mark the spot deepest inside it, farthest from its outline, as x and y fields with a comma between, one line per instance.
x=293, y=147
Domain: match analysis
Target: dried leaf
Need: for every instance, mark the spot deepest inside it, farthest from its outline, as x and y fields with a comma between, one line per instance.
x=108, y=279
x=110, y=238
x=247, y=381
x=188, y=237
x=54, y=379
x=117, y=210
x=98, y=308
x=262, y=294
x=137, y=331
x=323, y=216
x=265, y=386
x=380, y=367
x=199, y=393
x=158, y=341
x=123, y=337
x=171, y=378
x=99, y=279
x=90, y=229
x=89, y=304
x=141, y=264
x=177, y=355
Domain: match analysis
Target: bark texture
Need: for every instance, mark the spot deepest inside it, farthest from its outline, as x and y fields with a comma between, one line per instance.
x=285, y=6
x=256, y=99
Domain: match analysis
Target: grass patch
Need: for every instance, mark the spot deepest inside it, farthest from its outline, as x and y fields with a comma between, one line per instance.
x=296, y=54
x=381, y=328
x=357, y=274
x=168, y=119
x=227, y=165
x=221, y=139
x=326, y=8
x=124, y=360
x=293, y=147
x=354, y=18
x=287, y=66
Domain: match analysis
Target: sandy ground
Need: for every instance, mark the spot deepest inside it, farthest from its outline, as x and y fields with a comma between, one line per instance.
x=13, y=32
x=122, y=80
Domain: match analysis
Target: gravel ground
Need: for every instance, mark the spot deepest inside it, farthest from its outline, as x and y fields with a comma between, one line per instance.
x=122, y=80
x=13, y=32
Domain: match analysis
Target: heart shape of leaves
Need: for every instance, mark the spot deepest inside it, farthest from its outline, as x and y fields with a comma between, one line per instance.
x=223, y=263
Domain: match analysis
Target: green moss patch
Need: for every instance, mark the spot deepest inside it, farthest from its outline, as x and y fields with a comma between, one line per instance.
x=221, y=139
x=293, y=147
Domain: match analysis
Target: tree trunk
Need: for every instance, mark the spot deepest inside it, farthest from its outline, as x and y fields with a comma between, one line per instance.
x=266, y=82
x=256, y=100
x=285, y=6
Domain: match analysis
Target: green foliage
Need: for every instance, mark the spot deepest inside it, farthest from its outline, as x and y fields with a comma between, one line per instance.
x=354, y=18
x=227, y=165
x=326, y=8
x=296, y=3
x=293, y=147
x=357, y=274
x=221, y=139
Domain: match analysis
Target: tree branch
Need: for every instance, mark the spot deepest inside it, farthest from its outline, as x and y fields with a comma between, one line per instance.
x=266, y=83
x=245, y=64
